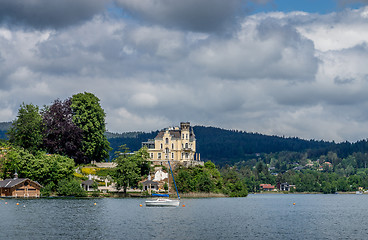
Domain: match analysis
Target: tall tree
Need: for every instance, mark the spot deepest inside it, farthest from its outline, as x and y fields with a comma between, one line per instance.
x=61, y=135
x=130, y=167
x=26, y=130
x=90, y=117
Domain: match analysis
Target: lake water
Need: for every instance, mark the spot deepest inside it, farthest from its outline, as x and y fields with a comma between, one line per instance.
x=260, y=216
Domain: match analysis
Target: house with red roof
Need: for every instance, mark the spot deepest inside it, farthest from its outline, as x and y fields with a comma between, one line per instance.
x=267, y=187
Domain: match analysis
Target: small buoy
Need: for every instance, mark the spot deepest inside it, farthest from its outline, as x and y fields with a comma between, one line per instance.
x=6, y=202
x=24, y=205
x=293, y=203
x=95, y=204
x=17, y=204
x=183, y=205
x=140, y=205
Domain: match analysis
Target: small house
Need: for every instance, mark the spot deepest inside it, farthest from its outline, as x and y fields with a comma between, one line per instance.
x=88, y=184
x=19, y=187
x=267, y=187
x=150, y=185
x=284, y=186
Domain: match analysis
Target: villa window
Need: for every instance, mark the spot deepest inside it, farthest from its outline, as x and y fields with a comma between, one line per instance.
x=172, y=146
x=161, y=145
x=151, y=155
x=172, y=155
x=166, y=150
x=159, y=155
x=167, y=141
x=186, y=145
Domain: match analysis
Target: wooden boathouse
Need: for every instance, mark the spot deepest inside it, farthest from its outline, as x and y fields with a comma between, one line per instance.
x=19, y=187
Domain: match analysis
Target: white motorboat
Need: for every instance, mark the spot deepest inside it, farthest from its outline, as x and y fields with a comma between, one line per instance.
x=162, y=202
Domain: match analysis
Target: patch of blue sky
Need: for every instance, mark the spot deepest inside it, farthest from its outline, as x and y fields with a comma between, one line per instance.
x=311, y=6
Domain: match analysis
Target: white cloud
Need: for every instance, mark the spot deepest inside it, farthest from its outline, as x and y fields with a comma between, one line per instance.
x=294, y=74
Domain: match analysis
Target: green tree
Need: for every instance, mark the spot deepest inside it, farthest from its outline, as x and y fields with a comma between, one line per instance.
x=26, y=130
x=90, y=117
x=43, y=168
x=205, y=184
x=130, y=167
x=70, y=187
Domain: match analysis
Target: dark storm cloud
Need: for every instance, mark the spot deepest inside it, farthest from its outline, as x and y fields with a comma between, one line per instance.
x=49, y=13
x=193, y=15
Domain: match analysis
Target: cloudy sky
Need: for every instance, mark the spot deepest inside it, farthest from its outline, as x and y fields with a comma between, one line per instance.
x=278, y=67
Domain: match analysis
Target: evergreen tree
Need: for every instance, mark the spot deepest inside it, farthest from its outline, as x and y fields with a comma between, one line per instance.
x=26, y=130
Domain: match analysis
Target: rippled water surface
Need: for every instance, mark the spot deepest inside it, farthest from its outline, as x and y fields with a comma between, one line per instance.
x=260, y=216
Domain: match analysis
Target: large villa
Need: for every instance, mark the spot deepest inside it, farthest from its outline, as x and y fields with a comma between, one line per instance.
x=174, y=144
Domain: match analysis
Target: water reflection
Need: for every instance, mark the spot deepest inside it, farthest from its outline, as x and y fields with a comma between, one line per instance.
x=268, y=216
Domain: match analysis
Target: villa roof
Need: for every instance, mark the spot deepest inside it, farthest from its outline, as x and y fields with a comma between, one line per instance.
x=173, y=133
x=11, y=182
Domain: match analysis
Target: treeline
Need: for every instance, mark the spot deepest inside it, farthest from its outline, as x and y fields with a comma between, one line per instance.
x=132, y=140
x=326, y=173
x=53, y=171
x=74, y=127
x=4, y=128
x=230, y=146
x=208, y=179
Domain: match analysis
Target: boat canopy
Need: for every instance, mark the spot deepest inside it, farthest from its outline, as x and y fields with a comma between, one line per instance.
x=160, y=195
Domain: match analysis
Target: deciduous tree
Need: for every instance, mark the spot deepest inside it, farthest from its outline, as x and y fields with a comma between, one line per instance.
x=90, y=117
x=130, y=167
x=61, y=135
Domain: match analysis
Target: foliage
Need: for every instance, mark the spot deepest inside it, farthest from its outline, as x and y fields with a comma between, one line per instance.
x=41, y=167
x=90, y=117
x=80, y=176
x=238, y=189
x=26, y=130
x=89, y=170
x=48, y=189
x=61, y=135
x=104, y=172
x=70, y=187
x=130, y=167
x=199, y=179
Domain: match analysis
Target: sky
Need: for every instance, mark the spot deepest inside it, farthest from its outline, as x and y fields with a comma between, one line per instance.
x=294, y=68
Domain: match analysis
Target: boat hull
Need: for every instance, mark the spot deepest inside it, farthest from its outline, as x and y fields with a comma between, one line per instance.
x=162, y=203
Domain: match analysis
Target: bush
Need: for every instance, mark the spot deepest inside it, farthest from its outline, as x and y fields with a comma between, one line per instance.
x=70, y=188
x=104, y=172
x=47, y=190
x=89, y=170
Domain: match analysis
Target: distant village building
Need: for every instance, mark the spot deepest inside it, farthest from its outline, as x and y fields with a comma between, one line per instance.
x=285, y=186
x=177, y=144
x=267, y=187
x=19, y=187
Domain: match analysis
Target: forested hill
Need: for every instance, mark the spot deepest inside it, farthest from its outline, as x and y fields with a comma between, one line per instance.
x=229, y=146
x=226, y=146
x=4, y=127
